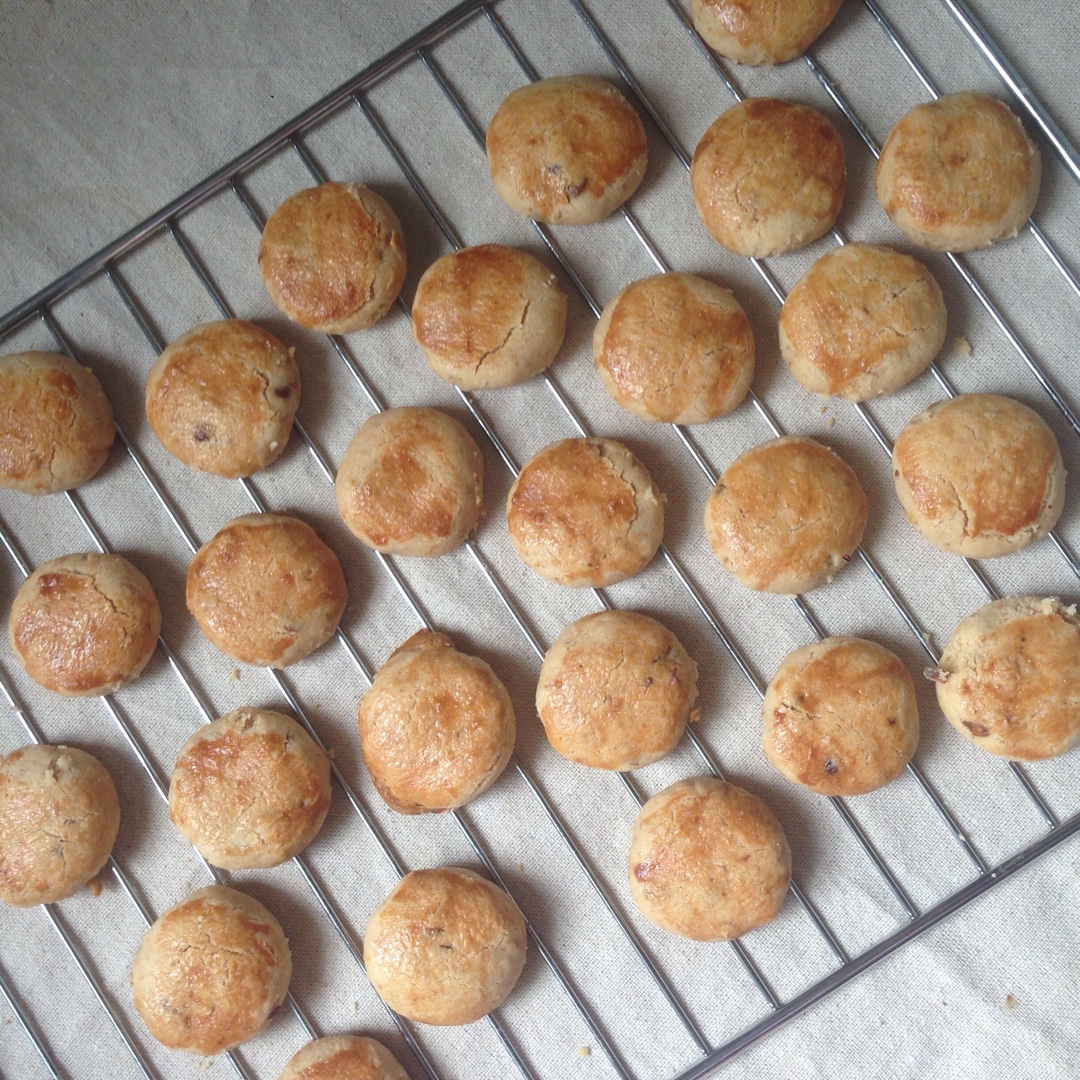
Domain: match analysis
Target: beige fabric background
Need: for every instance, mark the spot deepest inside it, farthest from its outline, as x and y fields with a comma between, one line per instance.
x=107, y=112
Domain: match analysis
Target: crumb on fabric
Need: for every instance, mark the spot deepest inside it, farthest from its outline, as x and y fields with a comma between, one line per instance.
x=94, y=886
x=830, y=421
x=234, y=675
x=961, y=345
x=584, y=1051
x=1010, y=1001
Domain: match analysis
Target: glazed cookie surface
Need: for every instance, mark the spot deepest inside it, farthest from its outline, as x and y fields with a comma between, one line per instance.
x=343, y=1057
x=762, y=32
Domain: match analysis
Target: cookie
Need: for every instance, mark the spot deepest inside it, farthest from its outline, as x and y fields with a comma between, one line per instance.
x=343, y=1057
x=762, y=32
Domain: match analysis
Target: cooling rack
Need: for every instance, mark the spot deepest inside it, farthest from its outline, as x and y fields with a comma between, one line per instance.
x=871, y=874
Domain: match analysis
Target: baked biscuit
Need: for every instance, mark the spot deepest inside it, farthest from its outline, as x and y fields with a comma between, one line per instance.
x=863, y=321
x=1009, y=679
x=768, y=177
x=616, y=690
x=958, y=173
x=222, y=397
x=675, y=347
x=840, y=717
x=445, y=947
x=266, y=590
x=585, y=512
x=84, y=625
x=708, y=860
x=343, y=1057
x=786, y=515
x=979, y=475
x=250, y=790
x=488, y=316
x=568, y=151
x=211, y=972
x=411, y=483
x=59, y=816
x=333, y=257
x=436, y=726
x=56, y=424
x=762, y=32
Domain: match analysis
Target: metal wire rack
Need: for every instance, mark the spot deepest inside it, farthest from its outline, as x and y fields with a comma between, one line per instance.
x=513, y=603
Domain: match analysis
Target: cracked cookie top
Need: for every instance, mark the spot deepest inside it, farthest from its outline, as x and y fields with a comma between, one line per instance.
x=762, y=32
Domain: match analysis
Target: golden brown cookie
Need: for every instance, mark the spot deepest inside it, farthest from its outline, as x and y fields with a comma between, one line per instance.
x=861, y=322
x=250, y=790
x=786, y=515
x=211, y=972
x=488, y=316
x=675, y=347
x=343, y=1057
x=708, y=860
x=411, y=483
x=445, y=947
x=266, y=590
x=84, y=625
x=840, y=717
x=436, y=727
x=333, y=257
x=585, y=512
x=768, y=177
x=1009, y=678
x=979, y=475
x=59, y=816
x=958, y=173
x=222, y=397
x=762, y=32
x=56, y=425
x=568, y=151
x=616, y=690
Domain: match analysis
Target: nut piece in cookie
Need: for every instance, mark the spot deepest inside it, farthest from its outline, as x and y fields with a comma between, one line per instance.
x=333, y=257
x=343, y=1057
x=411, y=483
x=211, y=972
x=436, y=726
x=708, y=860
x=222, y=397
x=266, y=590
x=56, y=425
x=445, y=947
x=1009, y=678
x=675, y=348
x=762, y=32
x=840, y=717
x=616, y=690
x=979, y=475
x=586, y=513
x=568, y=151
x=59, y=816
x=84, y=625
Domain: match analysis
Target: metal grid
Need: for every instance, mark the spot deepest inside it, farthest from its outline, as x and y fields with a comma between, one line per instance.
x=291, y=139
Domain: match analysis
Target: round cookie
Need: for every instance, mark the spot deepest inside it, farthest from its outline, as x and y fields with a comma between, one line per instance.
x=411, y=483
x=211, y=972
x=786, y=515
x=445, y=947
x=568, y=151
x=84, y=625
x=676, y=348
x=1009, y=678
x=708, y=860
x=585, y=512
x=840, y=717
x=59, y=816
x=616, y=690
x=768, y=177
x=862, y=321
x=979, y=475
x=436, y=726
x=343, y=1057
x=266, y=590
x=250, y=790
x=762, y=32
x=56, y=425
x=222, y=397
x=958, y=173
x=488, y=317
x=333, y=257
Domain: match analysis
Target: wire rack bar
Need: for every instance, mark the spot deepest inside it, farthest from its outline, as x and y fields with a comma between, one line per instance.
x=30, y=1031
